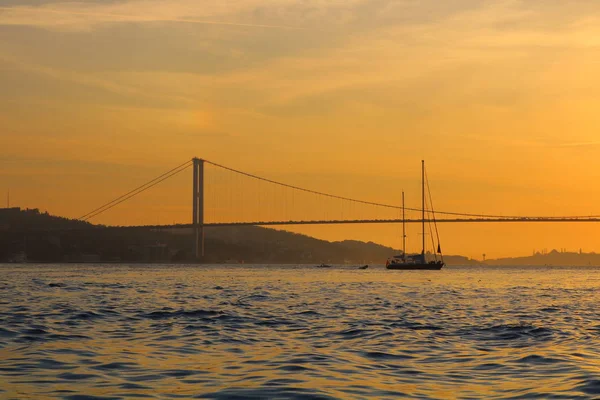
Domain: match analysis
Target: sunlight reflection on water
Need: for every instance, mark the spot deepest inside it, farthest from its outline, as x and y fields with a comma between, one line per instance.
x=116, y=331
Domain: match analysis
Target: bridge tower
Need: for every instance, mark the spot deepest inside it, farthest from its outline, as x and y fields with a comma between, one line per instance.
x=198, y=208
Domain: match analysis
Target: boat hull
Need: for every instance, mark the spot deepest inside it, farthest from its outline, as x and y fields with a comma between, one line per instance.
x=418, y=267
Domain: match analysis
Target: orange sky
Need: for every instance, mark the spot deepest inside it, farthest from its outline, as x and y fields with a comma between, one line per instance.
x=499, y=97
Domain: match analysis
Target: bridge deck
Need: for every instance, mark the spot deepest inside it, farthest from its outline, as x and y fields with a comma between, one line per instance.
x=366, y=221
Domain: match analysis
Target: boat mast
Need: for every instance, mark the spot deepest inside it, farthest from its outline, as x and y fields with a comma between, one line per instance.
x=423, y=205
x=403, y=230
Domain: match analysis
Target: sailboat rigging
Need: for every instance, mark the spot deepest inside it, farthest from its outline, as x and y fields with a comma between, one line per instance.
x=419, y=261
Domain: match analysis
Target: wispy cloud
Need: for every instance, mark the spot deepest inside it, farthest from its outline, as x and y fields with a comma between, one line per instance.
x=454, y=53
x=261, y=14
x=539, y=142
x=577, y=144
x=35, y=16
x=551, y=142
x=90, y=80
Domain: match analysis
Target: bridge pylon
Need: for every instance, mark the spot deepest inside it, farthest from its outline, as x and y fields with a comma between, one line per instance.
x=198, y=207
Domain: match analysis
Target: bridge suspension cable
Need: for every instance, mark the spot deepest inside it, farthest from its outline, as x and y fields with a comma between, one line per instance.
x=459, y=214
x=177, y=170
x=136, y=191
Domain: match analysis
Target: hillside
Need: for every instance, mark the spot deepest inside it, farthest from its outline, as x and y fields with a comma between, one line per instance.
x=47, y=238
x=553, y=258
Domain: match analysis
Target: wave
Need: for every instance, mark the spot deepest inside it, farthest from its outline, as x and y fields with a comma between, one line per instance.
x=180, y=331
x=181, y=314
x=508, y=332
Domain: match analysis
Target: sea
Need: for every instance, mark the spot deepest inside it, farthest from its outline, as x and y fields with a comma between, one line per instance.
x=97, y=331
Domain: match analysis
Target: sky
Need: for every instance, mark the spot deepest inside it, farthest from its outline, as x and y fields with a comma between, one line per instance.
x=346, y=97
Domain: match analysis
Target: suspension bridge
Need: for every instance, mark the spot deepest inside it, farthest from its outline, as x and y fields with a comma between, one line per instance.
x=273, y=203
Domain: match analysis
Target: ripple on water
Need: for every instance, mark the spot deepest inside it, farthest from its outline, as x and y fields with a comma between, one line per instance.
x=379, y=356
x=353, y=333
x=416, y=326
x=308, y=314
x=69, y=376
x=508, y=332
x=5, y=333
x=267, y=392
x=181, y=314
x=85, y=332
x=591, y=386
x=54, y=364
x=551, y=309
x=116, y=366
x=182, y=373
x=537, y=359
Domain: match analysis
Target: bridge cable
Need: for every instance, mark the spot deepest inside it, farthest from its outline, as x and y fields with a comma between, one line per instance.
x=428, y=202
x=362, y=201
x=305, y=190
x=136, y=191
x=437, y=234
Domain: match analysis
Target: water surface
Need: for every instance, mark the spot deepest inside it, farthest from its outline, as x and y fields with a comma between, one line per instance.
x=172, y=331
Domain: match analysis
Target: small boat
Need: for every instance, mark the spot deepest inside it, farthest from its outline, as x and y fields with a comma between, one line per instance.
x=363, y=267
x=417, y=261
x=323, y=266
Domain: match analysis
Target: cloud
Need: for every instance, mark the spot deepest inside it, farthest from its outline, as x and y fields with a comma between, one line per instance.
x=90, y=80
x=234, y=13
x=577, y=144
x=385, y=46
x=540, y=142
x=35, y=16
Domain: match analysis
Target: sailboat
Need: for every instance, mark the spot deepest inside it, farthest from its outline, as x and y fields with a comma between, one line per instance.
x=417, y=261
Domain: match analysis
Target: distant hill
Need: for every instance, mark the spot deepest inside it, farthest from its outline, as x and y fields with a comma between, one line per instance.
x=32, y=219
x=42, y=237
x=553, y=258
x=46, y=238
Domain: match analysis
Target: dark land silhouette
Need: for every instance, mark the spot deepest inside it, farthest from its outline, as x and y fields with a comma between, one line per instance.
x=41, y=237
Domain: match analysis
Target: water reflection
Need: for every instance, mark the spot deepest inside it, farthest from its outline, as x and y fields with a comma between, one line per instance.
x=77, y=332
